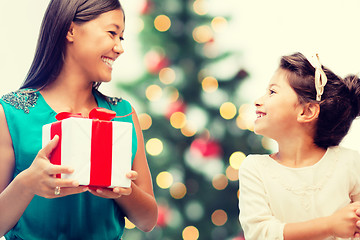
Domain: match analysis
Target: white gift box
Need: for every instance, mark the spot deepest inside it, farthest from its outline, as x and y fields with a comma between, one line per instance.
x=99, y=151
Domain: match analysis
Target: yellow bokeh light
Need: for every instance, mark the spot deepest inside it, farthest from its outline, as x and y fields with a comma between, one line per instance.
x=178, y=120
x=128, y=224
x=200, y=7
x=178, y=190
x=232, y=174
x=202, y=34
x=164, y=180
x=153, y=92
x=218, y=23
x=220, y=182
x=219, y=217
x=162, y=23
x=172, y=94
x=154, y=146
x=145, y=121
x=188, y=131
x=210, y=84
x=236, y=159
x=167, y=75
x=228, y=110
x=190, y=233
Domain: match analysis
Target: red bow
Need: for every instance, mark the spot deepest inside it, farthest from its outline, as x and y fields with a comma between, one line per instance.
x=95, y=113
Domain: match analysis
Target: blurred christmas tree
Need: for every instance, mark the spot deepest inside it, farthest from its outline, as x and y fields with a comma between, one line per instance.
x=197, y=126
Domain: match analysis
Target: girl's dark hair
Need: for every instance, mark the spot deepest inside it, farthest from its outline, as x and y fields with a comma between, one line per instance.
x=49, y=55
x=340, y=102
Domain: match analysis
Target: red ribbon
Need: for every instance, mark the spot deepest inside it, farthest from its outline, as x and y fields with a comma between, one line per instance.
x=95, y=113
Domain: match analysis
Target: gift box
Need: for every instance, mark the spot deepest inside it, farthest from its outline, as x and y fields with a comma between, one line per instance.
x=99, y=150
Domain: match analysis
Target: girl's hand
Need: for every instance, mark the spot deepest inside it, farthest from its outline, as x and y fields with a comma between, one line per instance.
x=343, y=223
x=40, y=176
x=116, y=192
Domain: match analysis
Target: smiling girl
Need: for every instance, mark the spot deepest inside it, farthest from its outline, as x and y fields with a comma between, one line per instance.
x=78, y=44
x=309, y=188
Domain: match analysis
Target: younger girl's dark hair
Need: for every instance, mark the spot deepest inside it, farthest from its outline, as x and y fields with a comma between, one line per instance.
x=49, y=55
x=340, y=102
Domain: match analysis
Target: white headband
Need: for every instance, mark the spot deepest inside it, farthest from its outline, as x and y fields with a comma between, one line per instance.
x=320, y=77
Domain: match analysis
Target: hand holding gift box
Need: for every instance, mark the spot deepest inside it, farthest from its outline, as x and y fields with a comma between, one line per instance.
x=98, y=149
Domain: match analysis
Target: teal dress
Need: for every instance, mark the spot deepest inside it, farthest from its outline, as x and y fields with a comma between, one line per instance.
x=79, y=216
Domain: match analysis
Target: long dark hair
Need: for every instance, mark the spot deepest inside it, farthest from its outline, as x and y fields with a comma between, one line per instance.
x=49, y=55
x=340, y=102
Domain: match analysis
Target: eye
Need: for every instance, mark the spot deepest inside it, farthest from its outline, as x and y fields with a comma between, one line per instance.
x=112, y=33
x=122, y=38
x=271, y=92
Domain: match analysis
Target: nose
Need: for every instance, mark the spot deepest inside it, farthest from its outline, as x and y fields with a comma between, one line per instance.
x=258, y=102
x=118, y=48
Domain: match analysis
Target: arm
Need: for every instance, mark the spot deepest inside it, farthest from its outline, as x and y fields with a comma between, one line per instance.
x=16, y=195
x=140, y=206
x=138, y=201
x=258, y=221
x=341, y=224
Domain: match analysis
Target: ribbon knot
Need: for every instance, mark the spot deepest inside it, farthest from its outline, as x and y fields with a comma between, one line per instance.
x=320, y=77
x=95, y=113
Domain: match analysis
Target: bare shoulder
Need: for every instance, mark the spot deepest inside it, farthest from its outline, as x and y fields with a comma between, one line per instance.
x=7, y=158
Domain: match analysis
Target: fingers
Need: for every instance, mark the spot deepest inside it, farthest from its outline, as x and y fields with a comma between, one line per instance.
x=47, y=150
x=58, y=169
x=111, y=193
x=65, y=191
x=132, y=175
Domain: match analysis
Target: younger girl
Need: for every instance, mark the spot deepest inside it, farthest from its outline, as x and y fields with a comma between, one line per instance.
x=309, y=188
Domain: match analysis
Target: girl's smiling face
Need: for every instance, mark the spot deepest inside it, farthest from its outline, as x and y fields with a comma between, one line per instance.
x=278, y=109
x=93, y=46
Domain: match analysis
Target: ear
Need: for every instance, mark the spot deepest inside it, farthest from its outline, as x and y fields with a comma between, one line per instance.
x=70, y=33
x=309, y=112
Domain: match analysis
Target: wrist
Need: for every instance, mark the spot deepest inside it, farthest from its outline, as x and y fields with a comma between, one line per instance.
x=22, y=182
x=328, y=228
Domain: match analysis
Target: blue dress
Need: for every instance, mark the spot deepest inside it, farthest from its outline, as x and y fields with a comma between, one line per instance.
x=80, y=216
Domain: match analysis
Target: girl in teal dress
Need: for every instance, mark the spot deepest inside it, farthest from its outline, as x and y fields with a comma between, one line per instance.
x=78, y=43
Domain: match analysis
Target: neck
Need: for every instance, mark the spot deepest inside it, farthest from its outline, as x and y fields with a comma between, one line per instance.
x=300, y=151
x=70, y=94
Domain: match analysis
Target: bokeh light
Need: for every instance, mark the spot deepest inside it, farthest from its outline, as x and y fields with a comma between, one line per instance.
x=145, y=121
x=172, y=94
x=178, y=190
x=218, y=24
x=228, y=110
x=162, y=23
x=167, y=75
x=128, y=224
x=219, y=217
x=154, y=146
x=188, y=130
x=232, y=174
x=209, y=84
x=202, y=34
x=220, y=182
x=164, y=180
x=194, y=210
x=178, y=120
x=200, y=7
x=190, y=233
x=153, y=92
x=236, y=159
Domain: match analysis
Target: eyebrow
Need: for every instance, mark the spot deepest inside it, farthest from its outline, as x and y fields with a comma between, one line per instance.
x=274, y=85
